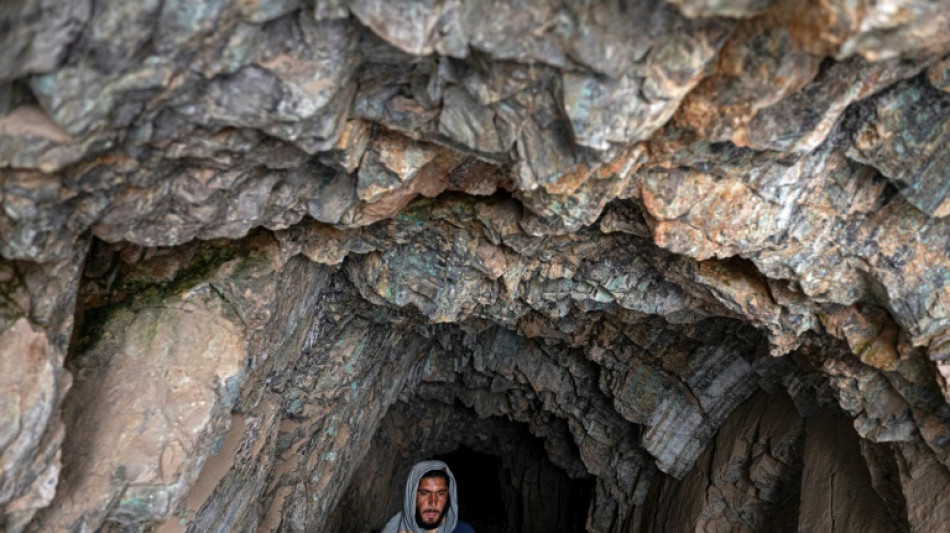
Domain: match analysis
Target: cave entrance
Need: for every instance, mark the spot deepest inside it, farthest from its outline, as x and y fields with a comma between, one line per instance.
x=479, y=489
x=507, y=481
x=530, y=496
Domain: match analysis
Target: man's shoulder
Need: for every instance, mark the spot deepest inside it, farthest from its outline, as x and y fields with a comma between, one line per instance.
x=463, y=527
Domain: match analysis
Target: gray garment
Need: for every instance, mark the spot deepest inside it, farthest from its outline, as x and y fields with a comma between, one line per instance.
x=405, y=522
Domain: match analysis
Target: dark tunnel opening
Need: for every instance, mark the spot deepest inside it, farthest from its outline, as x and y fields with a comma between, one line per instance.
x=507, y=480
x=527, y=497
x=479, y=478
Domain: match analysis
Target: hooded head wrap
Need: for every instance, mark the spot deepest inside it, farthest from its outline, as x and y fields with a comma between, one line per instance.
x=405, y=522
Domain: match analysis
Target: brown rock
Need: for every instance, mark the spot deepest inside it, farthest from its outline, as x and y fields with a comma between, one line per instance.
x=925, y=485
x=759, y=65
x=839, y=494
x=146, y=409
x=30, y=427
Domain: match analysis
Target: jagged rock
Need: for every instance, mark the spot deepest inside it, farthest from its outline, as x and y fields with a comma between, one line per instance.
x=632, y=102
x=725, y=8
x=34, y=43
x=577, y=236
x=759, y=66
x=883, y=31
x=36, y=320
x=32, y=432
x=918, y=146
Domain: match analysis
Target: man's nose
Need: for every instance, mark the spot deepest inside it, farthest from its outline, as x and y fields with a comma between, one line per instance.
x=433, y=499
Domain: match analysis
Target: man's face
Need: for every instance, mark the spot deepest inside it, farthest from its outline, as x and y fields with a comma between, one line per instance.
x=431, y=499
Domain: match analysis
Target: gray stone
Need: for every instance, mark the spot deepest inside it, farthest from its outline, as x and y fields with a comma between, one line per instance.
x=586, y=232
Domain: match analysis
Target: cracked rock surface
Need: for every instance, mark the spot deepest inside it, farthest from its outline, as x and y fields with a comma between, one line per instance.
x=683, y=264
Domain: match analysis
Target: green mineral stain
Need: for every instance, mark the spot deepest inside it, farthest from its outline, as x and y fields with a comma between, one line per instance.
x=861, y=348
x=46, y=84
x=91, y=328
x=602, y=296
x=617, y=283
x=134, y=292
x=133, y=501
x=388, y=293
x=295, y=406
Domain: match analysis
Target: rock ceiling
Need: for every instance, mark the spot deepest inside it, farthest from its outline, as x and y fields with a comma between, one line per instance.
x=235, y=235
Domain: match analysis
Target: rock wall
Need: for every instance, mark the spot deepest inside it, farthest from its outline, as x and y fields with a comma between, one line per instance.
x=749, y=479
x=696, y=251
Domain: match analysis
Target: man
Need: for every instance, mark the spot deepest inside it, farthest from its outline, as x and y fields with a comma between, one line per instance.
x=431, y=502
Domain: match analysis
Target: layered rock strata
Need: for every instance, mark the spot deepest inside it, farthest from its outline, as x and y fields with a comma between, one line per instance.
x=696, y=251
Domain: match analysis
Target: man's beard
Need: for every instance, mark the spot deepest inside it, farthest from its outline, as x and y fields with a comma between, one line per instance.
x=438, y=520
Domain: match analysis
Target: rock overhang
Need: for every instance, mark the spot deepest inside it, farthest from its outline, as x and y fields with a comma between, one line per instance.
x=618, y=219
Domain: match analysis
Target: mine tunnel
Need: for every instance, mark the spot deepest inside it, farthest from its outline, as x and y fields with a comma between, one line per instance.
x=627, y=266
x=480, y=477
x=506, y=482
